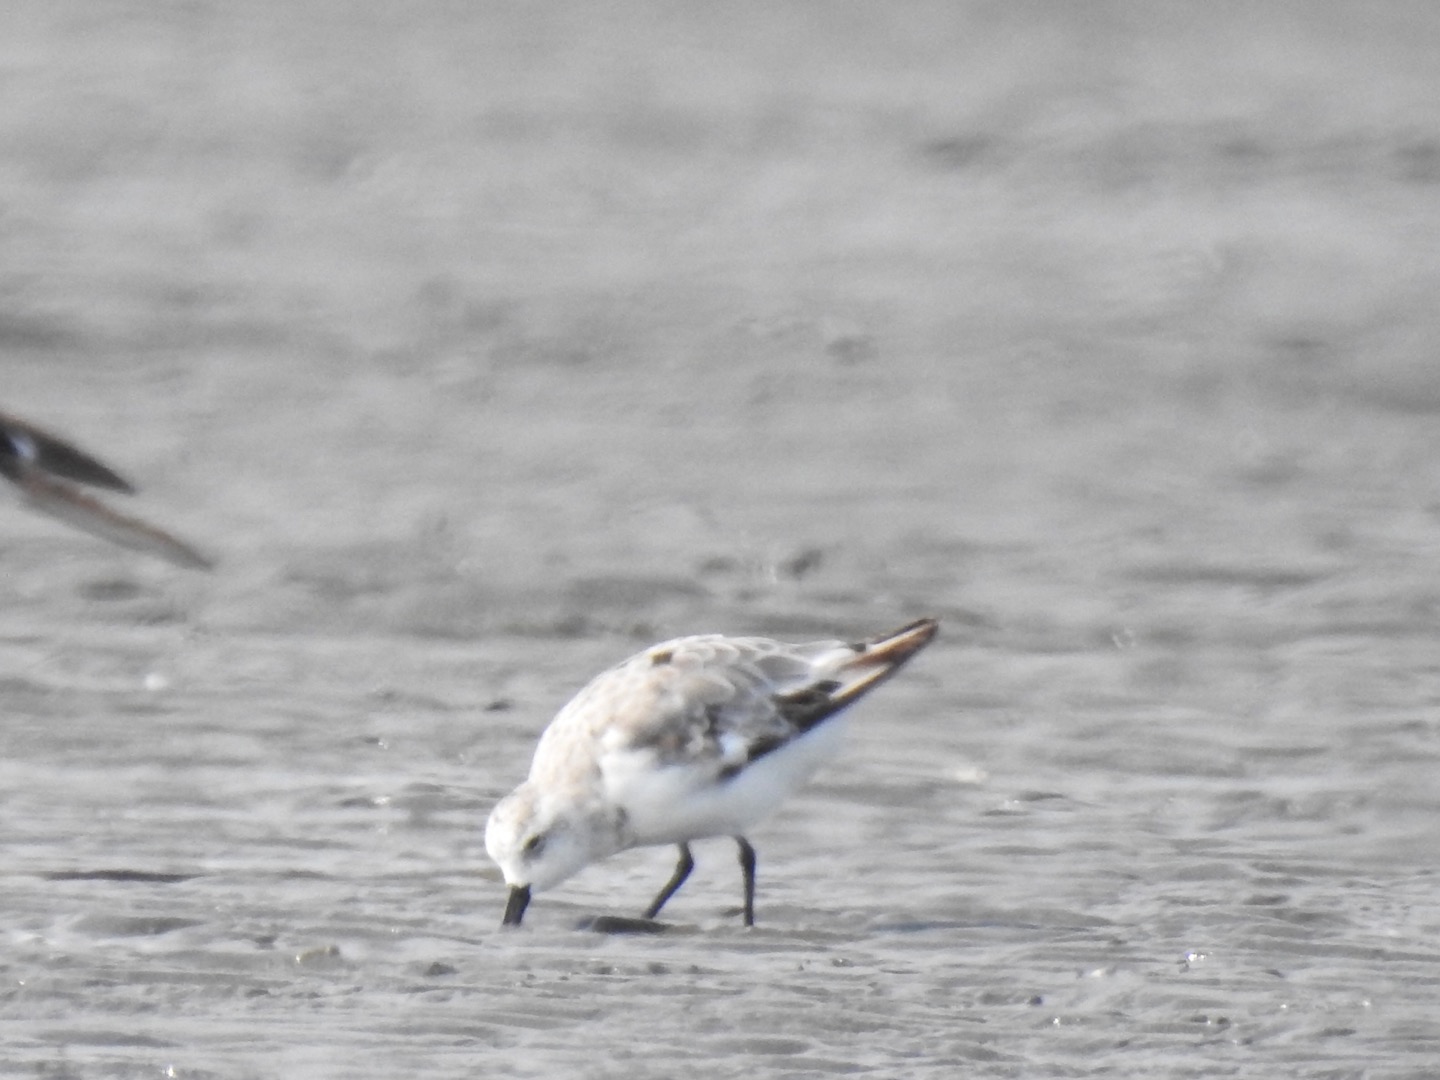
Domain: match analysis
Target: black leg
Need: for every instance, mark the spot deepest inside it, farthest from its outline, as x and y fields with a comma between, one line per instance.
x=682, y=871
x=747, y=867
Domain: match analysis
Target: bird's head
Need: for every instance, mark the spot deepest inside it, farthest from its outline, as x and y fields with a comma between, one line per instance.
x=538, y=841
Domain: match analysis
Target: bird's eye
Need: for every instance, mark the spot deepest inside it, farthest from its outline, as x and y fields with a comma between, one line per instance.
x=534, y=845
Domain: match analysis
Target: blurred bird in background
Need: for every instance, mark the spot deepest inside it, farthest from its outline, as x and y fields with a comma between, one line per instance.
x=50, y=471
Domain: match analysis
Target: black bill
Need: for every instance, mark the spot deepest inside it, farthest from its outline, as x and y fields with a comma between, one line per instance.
x=516, y=905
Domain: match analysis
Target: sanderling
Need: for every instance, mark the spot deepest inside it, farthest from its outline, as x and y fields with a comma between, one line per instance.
x=46, y=469
x=696, y=737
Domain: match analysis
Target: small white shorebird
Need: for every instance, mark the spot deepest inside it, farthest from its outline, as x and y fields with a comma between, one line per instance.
x=696, y=737
x=47, y=470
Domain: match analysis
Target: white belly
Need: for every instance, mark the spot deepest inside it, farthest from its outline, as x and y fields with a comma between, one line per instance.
x=668, y=804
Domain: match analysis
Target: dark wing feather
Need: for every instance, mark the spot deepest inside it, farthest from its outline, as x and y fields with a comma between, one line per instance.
x=23, y=446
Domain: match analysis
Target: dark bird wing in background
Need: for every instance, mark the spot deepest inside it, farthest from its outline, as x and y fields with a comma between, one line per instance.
x=24, y=446
x=46, y=469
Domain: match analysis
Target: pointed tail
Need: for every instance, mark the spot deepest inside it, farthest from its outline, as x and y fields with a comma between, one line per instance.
x=873, y=662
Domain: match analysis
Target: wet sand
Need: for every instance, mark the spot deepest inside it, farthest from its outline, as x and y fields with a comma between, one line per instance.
x=483, y=347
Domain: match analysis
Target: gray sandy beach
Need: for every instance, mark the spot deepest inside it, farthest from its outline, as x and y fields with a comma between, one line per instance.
x=486, y=344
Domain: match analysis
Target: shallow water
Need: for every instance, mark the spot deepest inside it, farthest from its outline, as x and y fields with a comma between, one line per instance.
x=230, y=881
x=478, y=376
